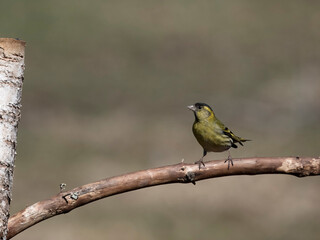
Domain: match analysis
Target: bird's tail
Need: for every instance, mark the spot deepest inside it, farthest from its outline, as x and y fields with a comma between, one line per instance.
x=241, y=140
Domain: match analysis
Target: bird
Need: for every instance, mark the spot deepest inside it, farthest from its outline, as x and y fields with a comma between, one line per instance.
x=211, y=133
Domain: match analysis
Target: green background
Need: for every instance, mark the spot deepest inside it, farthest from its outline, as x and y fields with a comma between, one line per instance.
x=105, y=93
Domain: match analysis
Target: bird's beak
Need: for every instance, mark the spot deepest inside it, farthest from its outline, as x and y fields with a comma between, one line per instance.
x=192, y=107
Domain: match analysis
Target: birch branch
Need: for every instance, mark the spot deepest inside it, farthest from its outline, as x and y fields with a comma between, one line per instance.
x=180, y=173
x=11, y=79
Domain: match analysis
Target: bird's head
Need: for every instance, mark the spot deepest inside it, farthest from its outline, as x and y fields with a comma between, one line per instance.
x=202, y=111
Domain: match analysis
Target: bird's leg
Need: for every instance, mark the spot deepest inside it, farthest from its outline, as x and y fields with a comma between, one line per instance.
x=200, y=162
x=229, y=160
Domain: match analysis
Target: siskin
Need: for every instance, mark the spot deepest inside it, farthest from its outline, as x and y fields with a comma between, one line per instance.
x=211, y=134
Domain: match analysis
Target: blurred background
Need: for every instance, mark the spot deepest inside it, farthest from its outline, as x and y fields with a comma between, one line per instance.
x=105, y=93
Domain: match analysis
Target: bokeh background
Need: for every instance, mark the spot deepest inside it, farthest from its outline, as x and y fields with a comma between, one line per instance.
x=105, y=93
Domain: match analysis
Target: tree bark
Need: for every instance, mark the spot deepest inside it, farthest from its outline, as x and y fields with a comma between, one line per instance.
x=180, y=173
x=11, y=79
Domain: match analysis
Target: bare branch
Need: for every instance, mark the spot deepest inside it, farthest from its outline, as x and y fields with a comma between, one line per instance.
x=179, y=173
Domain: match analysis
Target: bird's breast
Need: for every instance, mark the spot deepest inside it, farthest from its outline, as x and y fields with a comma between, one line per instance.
x=211, y=138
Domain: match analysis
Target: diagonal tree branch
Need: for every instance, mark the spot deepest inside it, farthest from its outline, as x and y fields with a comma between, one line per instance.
x=178, y=173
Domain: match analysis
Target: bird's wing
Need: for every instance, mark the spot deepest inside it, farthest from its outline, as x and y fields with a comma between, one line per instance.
x=230, y=134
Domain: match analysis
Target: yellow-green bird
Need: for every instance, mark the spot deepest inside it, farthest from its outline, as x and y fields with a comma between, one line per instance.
x=211, y=133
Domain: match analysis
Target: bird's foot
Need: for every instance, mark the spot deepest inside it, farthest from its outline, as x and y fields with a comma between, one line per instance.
x=200, y=162
x=229, y=160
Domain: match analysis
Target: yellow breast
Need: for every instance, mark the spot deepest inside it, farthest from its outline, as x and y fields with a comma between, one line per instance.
x=211, y=137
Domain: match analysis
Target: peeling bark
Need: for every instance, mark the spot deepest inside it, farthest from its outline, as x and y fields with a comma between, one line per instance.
x=180, y=173
x=11, y=80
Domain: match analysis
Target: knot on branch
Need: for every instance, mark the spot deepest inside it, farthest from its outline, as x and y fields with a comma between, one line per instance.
x=301, y=167
x=72, y=196
x=189, y=175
